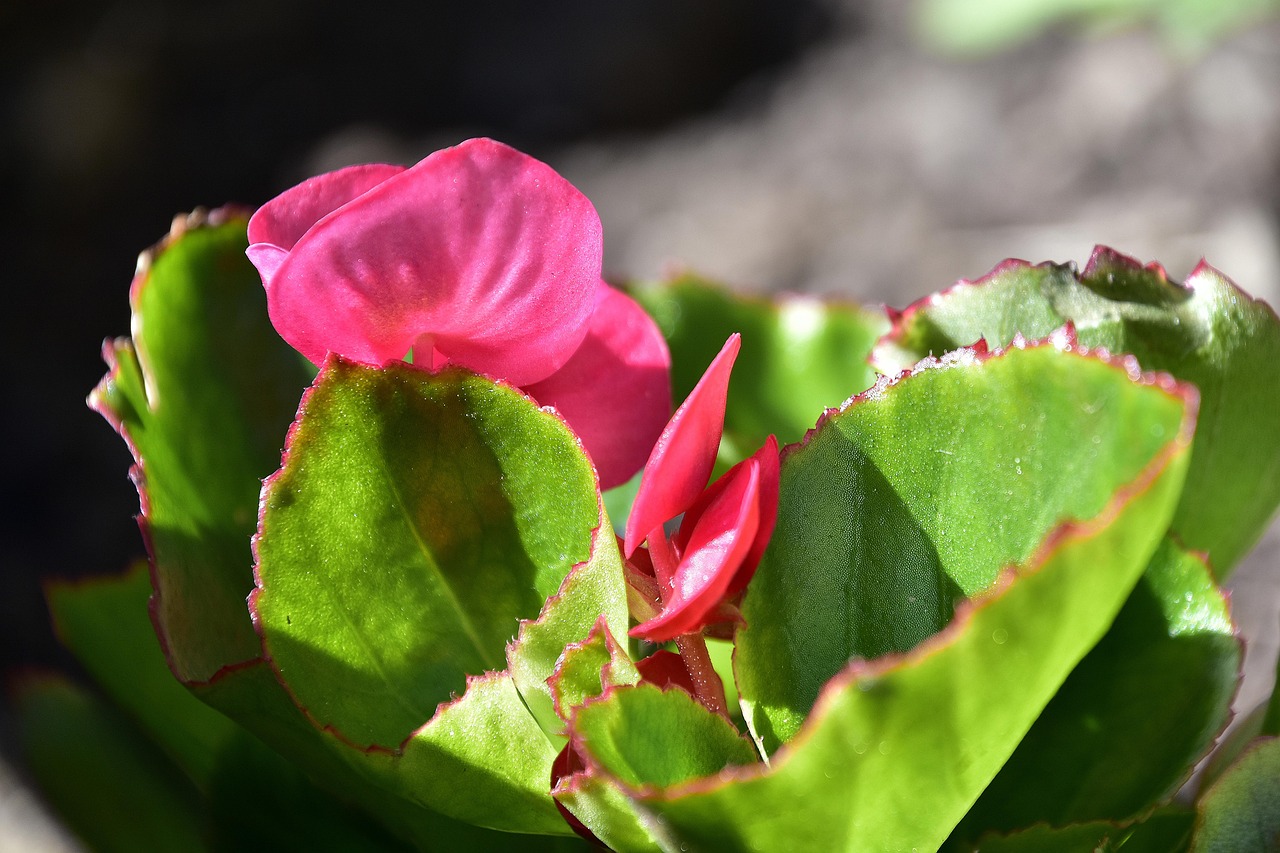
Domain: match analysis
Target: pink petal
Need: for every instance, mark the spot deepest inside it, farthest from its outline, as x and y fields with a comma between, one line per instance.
x=770, y=482
x=717, y=547
x=767, y=458
x=685, y=454
x=616, y=389
x=282, y=221
x=484, y=253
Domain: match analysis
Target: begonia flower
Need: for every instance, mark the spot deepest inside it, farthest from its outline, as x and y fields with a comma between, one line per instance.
x=726, y=526
x=477, y=256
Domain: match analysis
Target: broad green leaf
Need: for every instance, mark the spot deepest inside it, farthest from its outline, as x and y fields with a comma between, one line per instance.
x=594, y=591
x=203, y=394
x=115, y=790
x=799, y=355
x=647, y=737
x=1131, y=721
x=416, y=519
x=1166, y=831
x=104, y=622
x=1205, y=331
x=917, y=494
x=897, y=749
x=1241, y=812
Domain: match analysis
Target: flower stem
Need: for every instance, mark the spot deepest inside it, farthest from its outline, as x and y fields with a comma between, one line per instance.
x=706, y=681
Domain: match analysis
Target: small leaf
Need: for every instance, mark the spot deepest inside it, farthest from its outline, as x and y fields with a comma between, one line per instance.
x=1241, y=812
x=593, y=592
x=1206, y=331
x=588, y=668
x=917, y=494
x=1132, y=720
x=416, y=519
x=649, y=738
x=800, y=355
x=203, y=396
x=482, y=759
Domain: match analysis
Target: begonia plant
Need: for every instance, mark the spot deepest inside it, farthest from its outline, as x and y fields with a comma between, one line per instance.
x=433, y=565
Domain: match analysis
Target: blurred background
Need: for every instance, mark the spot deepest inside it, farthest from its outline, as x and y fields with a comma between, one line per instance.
x=872, y=149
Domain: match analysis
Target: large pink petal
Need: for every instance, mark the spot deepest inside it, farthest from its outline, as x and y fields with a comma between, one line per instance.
x=479, y=251
x=685, y=454
x=616, y=389
x=282, y=221
x=717, y=547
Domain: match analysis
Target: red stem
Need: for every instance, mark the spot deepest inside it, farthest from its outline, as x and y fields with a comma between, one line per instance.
x=708, y=687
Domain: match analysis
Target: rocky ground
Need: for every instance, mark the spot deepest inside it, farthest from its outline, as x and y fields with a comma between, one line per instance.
x=871, y=168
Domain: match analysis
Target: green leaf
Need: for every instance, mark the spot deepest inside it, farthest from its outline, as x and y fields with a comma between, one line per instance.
x=799, y=355
x=253, y=696
x=918, y=494
x=482, y=759
x=1241, y=812
x=259, y=799
x=416, y=519
x=588, y=668
x=594, y=594
x=114, y=789
x=203, y=395
x=1205, y=331
x=1135, y=716
x=647, y=737
x=104, y=622
x=898, y=748
x=249, y=790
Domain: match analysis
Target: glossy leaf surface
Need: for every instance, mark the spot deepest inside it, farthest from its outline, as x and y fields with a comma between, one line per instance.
x=203, y=393
x=416, y=519
x=916, y=496
x=1205, y=331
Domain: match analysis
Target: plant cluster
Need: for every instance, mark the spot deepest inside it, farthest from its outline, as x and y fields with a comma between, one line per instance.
x=944, y=578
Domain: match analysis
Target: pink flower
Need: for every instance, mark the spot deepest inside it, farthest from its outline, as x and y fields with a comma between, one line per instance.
x=478, y=256
x=726, y=526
